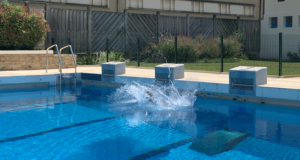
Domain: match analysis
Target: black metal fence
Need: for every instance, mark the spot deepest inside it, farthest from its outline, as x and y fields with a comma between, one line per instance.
x=279, y=53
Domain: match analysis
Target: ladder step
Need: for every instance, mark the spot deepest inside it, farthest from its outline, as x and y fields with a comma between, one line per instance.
x=66, y=77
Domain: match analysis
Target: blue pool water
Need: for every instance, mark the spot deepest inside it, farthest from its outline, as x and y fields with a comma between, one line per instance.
x=92, y=122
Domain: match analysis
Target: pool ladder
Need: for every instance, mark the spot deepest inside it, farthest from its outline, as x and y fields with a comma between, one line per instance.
x=59, y=57
x=69, y=46
x=60, y=62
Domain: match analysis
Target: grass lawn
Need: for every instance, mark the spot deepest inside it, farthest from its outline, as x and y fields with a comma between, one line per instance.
x=288, y=68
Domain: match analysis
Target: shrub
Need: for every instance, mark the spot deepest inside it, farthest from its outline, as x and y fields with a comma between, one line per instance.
x=225, y=60
x=231, y=47
x=165, y=50
x=150, y=54
x=208, y=48
x=244, y=56
x=100, y=58
x=190, y=50
x=252, y=56
x=20, y=29
x=112, y=56
x=200, y=38
x=86, y=60
x=294, y=56
x=239, y=35
x=186, y=50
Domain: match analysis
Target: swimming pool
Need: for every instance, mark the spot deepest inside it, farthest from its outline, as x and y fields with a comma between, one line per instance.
x=94, y=122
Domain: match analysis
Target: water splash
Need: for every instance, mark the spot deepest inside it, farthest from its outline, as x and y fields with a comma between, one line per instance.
x=160, y=105
x=153, y=97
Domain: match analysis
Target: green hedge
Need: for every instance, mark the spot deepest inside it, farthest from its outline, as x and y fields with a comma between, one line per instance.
x=191, y=50
x=20, y=29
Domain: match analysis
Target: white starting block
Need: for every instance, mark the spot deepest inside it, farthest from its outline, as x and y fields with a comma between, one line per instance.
x=111, y=69
x=243, y=80
x=169, y=72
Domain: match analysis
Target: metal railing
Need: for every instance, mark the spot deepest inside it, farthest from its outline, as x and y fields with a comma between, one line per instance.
x=60, y=64
x=69, y=46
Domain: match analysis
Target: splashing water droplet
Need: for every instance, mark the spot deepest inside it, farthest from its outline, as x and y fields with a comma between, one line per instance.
x=153, y=97
x=157, y=104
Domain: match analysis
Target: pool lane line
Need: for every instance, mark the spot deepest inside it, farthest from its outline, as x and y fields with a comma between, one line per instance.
x=54, y=130
x=163, y=149
x=38, y=106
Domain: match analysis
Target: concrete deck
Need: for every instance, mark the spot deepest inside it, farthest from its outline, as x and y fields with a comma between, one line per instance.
x=273, y=82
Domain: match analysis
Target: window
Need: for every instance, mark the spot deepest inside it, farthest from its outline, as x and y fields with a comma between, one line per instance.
x=274, y=22
x=289, y=21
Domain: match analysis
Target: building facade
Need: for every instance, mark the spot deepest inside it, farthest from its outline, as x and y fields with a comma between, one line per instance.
x=281, y=16
x=246, y=9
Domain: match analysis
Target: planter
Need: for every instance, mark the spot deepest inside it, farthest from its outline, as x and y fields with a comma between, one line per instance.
x=25, y=52
x=33, y=60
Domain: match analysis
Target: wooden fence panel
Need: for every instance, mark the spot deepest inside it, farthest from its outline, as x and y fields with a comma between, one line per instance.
x=226, y=27
x=252, y=38
x=173, y=26
x=201, y=26
x=148, y=28
x=107, y=25
x=142, y=26
x=67, y=24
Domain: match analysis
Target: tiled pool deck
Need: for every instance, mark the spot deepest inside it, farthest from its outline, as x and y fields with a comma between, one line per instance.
x=197, y=76
x=276, y=88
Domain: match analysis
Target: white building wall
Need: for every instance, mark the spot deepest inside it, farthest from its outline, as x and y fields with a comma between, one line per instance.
x=281, y=10
x=85, y=2
x=291, y=35
x=242, y=9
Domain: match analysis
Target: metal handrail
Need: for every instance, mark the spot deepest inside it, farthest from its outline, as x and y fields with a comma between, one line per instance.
x=60, y=64
x=72, y=55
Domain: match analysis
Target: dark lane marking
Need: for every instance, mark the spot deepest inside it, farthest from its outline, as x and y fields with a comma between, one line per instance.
x=162, y=149
x=53, y=130
x=38, y=106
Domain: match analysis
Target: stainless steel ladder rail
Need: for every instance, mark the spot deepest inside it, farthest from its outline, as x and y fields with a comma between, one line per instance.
x=69, y=46
x=60, y=64
x=75, y=63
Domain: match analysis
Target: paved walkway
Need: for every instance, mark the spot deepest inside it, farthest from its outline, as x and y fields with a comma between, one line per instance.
x=291, y=83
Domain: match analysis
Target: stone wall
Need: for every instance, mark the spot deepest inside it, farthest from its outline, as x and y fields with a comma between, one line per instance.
x=34, y=61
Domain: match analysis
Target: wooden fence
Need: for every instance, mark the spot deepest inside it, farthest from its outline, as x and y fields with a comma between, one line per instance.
x=200, y=26
x=68, y=26
x=90, y=34
x=107, y=26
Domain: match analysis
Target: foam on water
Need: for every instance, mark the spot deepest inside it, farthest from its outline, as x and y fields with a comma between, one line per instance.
x=154, y=103
x=154, y=97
